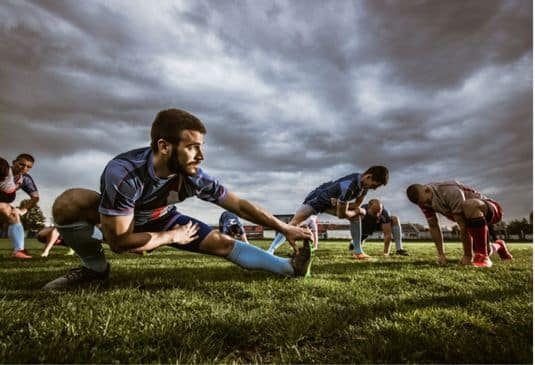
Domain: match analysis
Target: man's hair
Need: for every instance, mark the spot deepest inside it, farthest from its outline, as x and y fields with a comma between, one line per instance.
x=25, y=156
x=374, y=202
x=169, y=125
x=413, y=193
x=4, y=168
x=379, y=174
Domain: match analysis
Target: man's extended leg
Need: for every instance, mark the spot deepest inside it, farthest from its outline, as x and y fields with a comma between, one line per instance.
x=251, y=257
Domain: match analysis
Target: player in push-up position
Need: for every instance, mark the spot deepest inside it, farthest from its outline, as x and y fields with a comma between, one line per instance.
x=13, y=178
x=136, y=208
x=472, y=211
x=230, y=224
x=335, y=197
x=376, y=218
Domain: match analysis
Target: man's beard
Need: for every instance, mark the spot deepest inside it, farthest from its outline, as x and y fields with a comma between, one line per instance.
x=173, y=165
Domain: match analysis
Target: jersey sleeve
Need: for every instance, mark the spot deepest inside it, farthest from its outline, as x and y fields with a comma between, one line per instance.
x=454, y=197
x=28, y=186
x=208, y=188
x=119, y=190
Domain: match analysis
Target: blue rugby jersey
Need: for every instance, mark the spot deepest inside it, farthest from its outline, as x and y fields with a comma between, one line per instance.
x=227, y=220
x=344, y=189
x=129, y=185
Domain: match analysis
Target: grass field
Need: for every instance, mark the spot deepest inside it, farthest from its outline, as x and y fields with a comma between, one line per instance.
x=177, y=307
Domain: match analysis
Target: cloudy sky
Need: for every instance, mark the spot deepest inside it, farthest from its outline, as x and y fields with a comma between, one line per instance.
x=293, y=93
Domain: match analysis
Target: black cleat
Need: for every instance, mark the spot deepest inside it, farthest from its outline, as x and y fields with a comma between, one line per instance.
x=303, y=261
x=402, y=253
x=78, y=277
x=351, y=247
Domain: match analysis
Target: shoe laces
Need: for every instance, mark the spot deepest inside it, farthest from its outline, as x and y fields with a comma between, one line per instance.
x=75, y=273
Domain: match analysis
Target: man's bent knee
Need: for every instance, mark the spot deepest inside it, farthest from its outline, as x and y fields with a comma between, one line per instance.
x=76, y=205
x=217, y=243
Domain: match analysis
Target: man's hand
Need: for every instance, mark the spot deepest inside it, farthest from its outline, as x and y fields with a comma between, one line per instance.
x=465, y=260
x=441, y=260
x=184, y=234
x=294, y=233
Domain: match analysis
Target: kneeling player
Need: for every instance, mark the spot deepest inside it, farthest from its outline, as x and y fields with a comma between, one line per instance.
x=471, y=210
x=377, y=218
x=137, y=213
x=334, y=197
x=13, y=178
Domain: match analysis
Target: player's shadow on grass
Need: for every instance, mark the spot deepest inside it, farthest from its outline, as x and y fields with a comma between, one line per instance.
x=151, y=278
x=356, y=266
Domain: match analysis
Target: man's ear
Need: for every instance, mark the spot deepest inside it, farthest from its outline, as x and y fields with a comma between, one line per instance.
x=164, y=147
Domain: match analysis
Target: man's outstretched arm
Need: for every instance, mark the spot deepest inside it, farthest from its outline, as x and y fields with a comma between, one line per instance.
x=254, y=213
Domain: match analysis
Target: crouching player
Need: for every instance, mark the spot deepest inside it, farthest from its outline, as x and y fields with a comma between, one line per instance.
x=471, y=210
x=334, y=197
x=136, y=208
x=377, y=218
x=230, y=224
x=13, y=178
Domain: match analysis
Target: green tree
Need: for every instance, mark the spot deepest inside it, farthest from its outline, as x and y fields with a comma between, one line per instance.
x=34, y=219
x=519, y=227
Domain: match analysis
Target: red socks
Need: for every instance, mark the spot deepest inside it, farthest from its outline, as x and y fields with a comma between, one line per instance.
x=477, y=227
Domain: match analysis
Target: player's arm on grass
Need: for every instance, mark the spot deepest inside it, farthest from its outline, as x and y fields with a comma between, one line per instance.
x=438, y=239
x=465, y=239
x=256, y=214
x=119, y=234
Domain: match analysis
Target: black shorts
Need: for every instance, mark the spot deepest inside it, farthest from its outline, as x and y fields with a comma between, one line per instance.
x=167, y=222
x=318, y=200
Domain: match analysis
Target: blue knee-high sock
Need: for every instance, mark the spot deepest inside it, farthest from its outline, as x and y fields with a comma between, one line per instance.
x=277, y=241
x=398, y=237
x=355, y=226
x=85, y=239
x=252, y=257
x=15, y=232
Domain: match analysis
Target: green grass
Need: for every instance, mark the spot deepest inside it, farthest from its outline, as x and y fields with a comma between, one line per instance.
x=178, y=307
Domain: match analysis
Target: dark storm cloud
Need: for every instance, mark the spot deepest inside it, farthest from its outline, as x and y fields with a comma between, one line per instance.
x=293, y=93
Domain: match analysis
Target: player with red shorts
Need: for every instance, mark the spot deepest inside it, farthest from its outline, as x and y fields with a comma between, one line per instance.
x=472, y=211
